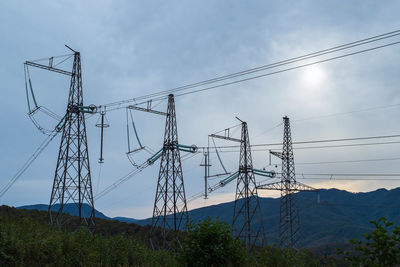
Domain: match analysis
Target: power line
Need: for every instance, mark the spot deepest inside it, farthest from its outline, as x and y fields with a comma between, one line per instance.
x=346, y=161
x=321, y=141
x=349, y=145
x=351, y=174
x=268, y=66
x=347, y=139
x=163, y=97
x=347, y=112
x=29, y=162
x=288, y=69
x=349, y=179
x=314, y=147
x=332, y=115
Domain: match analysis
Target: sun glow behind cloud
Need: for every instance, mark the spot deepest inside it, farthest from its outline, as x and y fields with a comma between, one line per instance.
x=313, y=77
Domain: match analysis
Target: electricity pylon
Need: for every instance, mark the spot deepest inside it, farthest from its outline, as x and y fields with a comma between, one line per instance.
x=247, y=223
x=170, y=207
x=72, y=180
x=289, y=222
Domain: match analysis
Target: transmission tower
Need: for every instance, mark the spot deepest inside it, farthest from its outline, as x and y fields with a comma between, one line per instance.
x=72, y=180
x=289, y=222
x=170, y=209
x=247, y=223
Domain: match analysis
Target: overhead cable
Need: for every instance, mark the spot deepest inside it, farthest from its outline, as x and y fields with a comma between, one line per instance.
x=268, y=66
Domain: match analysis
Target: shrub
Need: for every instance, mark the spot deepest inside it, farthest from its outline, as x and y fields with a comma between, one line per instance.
x=380, y=247
x=211, y=243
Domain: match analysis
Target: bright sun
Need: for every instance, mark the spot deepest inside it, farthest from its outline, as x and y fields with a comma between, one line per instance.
x=313, y=76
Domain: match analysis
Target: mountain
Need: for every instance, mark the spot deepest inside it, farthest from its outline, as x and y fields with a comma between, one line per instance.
x=69, y=208
x=124, y=219
x=72, y=209
x=338, y=217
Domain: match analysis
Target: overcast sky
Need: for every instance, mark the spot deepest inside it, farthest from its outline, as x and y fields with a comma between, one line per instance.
x=132, y=48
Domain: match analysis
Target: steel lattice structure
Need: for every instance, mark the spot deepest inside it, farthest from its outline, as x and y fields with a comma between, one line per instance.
x=289, y=221
x=247, y=221
x=72, y=180
x=170, y=207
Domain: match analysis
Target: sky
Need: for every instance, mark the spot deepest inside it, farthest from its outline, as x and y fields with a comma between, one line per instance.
x=133, y=48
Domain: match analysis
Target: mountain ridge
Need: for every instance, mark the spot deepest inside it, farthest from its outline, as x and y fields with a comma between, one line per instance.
x=71, y=209
x=338, y=217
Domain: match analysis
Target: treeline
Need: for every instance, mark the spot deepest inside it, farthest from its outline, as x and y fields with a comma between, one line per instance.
x=27, y=239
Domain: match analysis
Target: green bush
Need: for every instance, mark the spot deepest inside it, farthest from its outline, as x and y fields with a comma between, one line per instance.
x=380, y=247
x=211, y=243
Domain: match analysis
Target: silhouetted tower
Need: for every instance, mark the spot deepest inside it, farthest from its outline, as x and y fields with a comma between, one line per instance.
x=170, y=209
x=289, y=222
x=72, y=180
x=247, y=221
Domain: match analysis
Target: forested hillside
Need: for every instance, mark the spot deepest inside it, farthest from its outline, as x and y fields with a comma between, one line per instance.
x=338, y=217
x=27, y=239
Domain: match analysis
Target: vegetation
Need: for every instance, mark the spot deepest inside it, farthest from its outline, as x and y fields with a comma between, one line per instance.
x=210, y=243
x=380, y=247
x=27, y=239
x=27, y=242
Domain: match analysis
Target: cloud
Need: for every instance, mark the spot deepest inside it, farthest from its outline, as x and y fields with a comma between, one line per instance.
x=131, y=48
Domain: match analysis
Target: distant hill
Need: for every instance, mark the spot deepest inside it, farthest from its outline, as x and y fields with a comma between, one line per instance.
x=72, y=209
x=337, y=218
x=124, y=219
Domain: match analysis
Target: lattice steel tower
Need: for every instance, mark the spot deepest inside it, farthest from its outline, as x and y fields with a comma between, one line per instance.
x=72, y=180
x=170, y=208
x=289, y=222
x=247, y=221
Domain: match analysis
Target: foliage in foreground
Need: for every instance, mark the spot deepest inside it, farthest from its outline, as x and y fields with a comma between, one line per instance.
x=29, y=243
x=210, y=243
x=380, y=247
x=26, y=239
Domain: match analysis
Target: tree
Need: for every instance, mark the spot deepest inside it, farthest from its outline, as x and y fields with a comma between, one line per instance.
x=381, y=246
x=211, y=243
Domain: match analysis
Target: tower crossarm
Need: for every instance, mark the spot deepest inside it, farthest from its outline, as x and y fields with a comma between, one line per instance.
x=276, y=154
x=303, y=187
x=224, y=182
x=226, y=137
x=147, y=110
x=186, y=148
x=50, y=68
x=264, y=173
x=271, y=186
x=92, y=109
x=294, y=187
x=155, y=157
